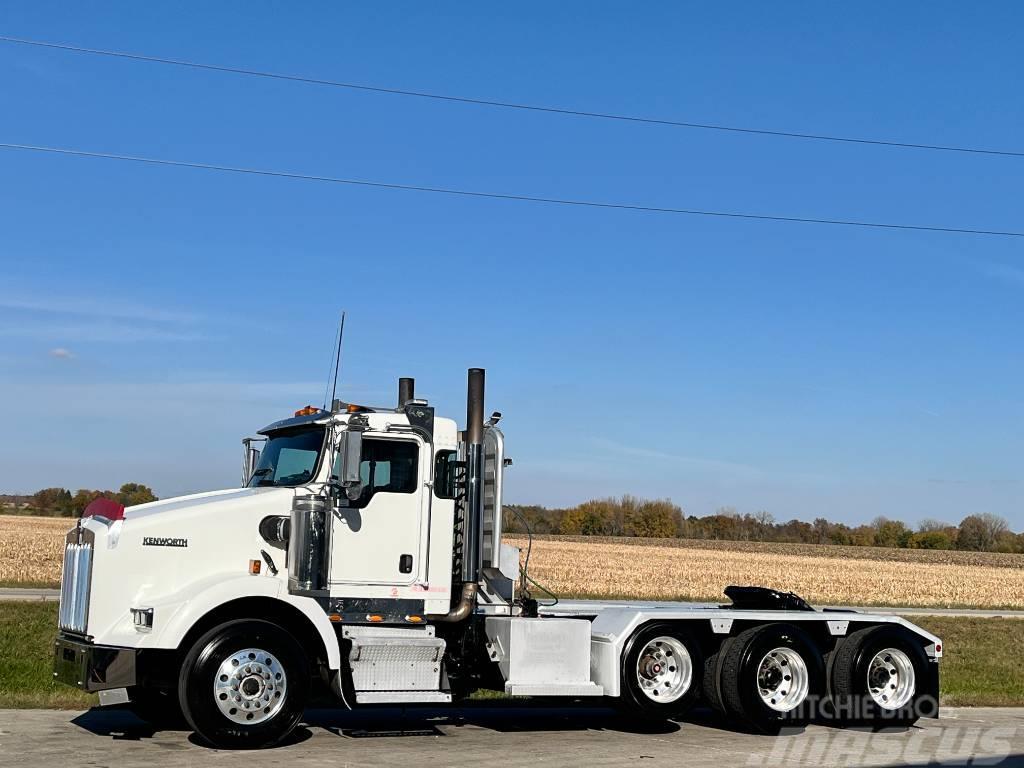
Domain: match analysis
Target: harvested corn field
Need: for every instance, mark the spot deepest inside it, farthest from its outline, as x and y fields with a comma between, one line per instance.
x=31, y=549
x=890, y=554
x=30, y=554
x=656, y=569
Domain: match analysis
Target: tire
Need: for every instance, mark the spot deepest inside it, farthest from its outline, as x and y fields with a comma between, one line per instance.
x=257, y=664
x=712, y=670
x=876, y=678
x=661, y=672
x=771, y=676
x=159, y=707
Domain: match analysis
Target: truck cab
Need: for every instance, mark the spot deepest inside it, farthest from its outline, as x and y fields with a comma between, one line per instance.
x=382, y=535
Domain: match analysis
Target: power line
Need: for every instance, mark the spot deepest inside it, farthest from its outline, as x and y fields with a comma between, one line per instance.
x=500, y=195
x=509, y=104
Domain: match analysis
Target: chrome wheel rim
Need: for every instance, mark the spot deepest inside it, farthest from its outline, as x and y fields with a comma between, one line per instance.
x=250, y=686
x=891, y=679
x=664, y=670
x=783, y=681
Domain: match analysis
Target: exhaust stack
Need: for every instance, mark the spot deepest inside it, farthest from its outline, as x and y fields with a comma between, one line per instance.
x=473, y=530
x=406, y=390
x=472, y=553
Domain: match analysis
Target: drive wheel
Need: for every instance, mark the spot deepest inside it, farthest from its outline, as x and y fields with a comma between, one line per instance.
x=661, y=671
x=876, y=677
x=244, y=685
x=771, y=676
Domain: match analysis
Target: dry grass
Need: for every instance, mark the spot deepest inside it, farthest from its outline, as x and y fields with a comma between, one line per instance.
x=663, y=570
x=31, y=549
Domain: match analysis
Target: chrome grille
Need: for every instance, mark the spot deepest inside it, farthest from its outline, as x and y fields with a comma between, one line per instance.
x=74, y=584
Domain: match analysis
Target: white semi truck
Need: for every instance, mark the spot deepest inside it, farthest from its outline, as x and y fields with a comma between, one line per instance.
x=363, y=558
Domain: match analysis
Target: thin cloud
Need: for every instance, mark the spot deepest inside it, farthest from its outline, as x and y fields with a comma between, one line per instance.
x=736, y=470
x=1004, y=272
x=851, y=396
x=63, y=319
x=98, y=309
x=108, y=332
x=695, y=461
x=61, y=353
x=185, y=395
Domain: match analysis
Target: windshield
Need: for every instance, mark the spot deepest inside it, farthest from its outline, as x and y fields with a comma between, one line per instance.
x=289, y=458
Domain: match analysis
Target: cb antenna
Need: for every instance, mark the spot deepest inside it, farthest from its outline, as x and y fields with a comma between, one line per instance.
x=337, y=363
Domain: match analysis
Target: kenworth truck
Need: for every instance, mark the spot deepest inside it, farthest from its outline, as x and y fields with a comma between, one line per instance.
x=363, y=559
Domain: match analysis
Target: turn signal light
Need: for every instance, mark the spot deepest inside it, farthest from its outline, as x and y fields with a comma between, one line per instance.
x=309, y=410
x=335, y=617
x=374, y=618
x=254, y=567
x=414, y=619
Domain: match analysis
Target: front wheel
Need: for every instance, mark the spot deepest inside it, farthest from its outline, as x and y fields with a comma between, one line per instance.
x=244, y=685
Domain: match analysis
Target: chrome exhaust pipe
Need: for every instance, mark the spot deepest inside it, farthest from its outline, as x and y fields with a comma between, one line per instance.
x=467, y=601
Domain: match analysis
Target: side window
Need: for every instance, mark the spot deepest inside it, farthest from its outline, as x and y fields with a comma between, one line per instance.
x=445, y=466
x=387, y=466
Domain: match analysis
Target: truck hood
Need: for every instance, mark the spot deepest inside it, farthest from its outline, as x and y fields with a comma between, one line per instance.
x=228, y=498
x=163, y=550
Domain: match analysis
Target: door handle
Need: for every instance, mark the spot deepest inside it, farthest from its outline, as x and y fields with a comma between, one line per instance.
x=405, y=564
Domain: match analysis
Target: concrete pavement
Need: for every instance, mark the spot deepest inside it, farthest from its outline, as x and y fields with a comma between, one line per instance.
x=11, y=593
x=508, y=736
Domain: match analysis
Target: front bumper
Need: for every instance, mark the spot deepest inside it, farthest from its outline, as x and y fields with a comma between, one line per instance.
x=91, y=667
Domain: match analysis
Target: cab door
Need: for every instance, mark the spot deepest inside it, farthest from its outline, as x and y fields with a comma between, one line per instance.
x=379, y=537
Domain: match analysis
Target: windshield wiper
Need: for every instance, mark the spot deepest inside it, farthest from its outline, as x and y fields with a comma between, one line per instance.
x=259, y=473
x=298, y=477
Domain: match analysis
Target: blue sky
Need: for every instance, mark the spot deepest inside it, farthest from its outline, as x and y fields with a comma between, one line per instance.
x=151, y=317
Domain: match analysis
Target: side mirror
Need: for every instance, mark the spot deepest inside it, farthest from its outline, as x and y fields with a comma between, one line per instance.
x=349, y=452
x=250, y=458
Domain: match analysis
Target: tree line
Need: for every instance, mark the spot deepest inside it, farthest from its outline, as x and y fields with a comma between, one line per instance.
x=658, y=518
x=60, y=502
x=630, y=516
